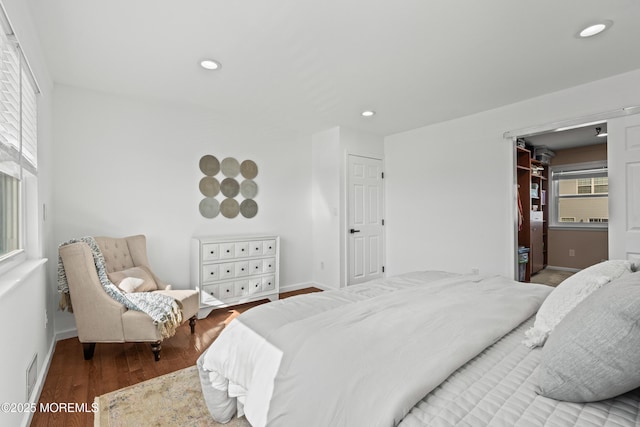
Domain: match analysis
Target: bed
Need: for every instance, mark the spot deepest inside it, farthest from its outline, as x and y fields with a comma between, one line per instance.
x=426, y=348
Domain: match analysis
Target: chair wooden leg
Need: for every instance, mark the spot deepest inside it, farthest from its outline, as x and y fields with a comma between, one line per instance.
x=192, y=324
x=156, y=347
x=88, y=348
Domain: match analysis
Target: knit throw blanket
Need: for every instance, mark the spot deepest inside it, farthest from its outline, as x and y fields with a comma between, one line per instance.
x=163, y=309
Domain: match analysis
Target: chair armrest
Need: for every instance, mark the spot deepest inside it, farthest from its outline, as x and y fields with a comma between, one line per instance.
x=98, y=316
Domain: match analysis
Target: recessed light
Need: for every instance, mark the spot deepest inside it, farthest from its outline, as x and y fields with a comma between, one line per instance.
x=368, y=113
x=210, y=64
x=594, y=29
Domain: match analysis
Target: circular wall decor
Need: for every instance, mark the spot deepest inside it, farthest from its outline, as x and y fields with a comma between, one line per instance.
x=209, y=165
x=209, y=186
x=209, y=207
x=248, y=208
x=230, y=167
x=248, y=189
x=229, y=187
x=229, y=208
x=249, y=169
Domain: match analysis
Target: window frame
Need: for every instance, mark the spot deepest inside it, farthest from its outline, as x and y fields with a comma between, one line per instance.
x=19, y=142
x=554, y=183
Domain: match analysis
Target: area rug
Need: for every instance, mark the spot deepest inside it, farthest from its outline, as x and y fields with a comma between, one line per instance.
x=551, y=277
x=173, y=399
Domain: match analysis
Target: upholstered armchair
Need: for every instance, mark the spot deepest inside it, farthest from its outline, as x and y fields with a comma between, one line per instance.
x=102, y=319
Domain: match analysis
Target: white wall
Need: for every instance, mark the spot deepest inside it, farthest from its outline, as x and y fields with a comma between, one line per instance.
x=26, y=303
x=125, y=166
x=330, y=151
x=450, y=194
x=326, y=208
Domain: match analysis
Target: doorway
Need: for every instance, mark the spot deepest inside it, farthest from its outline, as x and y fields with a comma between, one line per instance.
x=563, y=187
x=365, y=231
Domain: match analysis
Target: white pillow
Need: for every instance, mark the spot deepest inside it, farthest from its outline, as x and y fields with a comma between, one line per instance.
x=130, y=284
x=568, y=294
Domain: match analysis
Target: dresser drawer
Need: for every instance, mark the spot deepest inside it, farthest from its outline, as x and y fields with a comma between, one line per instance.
x=211, y=290
x=255, y=285
x=269, y=265
x=209, y=252
x=255, y=248
x=241, y=288
x=242, y=268
x=210, y=272
x=269, y=247
x=227, y=270
x=255, y=266
x=227, y=290
x=227, y=250
x=268, y=283
x=242, y=249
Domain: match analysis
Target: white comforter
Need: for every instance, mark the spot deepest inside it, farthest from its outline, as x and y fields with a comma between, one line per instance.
x=362, y=356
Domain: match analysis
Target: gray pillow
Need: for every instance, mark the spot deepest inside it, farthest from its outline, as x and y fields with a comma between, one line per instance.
x=594, y=352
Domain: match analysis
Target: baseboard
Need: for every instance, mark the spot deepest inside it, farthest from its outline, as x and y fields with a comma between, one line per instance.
x=298, y=286
x=66, y=334
x=551, y=267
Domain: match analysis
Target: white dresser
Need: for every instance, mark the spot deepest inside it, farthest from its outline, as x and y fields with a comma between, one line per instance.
x=230, y=270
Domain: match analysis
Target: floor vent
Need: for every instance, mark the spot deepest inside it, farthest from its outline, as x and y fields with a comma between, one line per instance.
x=32, y=375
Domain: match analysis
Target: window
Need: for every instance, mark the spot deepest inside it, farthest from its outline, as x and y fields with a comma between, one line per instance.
x=580, y=195
x=18, y=139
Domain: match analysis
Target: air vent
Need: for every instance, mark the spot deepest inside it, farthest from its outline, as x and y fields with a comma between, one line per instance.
x=32, y=375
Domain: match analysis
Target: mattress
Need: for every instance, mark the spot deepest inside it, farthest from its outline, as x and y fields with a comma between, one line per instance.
x=497, y=388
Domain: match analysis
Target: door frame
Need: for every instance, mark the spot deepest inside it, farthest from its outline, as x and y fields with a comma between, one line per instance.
x=344, y=220
x=512, y=136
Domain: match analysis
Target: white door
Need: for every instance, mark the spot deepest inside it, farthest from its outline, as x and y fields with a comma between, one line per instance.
x=365, y=237
x=623, y=152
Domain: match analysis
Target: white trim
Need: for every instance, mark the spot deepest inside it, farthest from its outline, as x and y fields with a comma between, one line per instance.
x=42, y=376
x=551, y=267
x=569, y=123
x=10, y=279
x=66, y=334
x=304, y=285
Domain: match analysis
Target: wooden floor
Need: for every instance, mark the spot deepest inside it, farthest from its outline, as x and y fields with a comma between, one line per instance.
x=75, y=380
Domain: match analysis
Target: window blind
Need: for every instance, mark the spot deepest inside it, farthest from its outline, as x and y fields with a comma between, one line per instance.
x=579, y=174
x=18, y=108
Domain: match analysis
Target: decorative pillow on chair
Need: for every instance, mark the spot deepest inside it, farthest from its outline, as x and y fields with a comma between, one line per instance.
x=122, y=279
x=130, y=284
x=568, y=294
x=594, y=352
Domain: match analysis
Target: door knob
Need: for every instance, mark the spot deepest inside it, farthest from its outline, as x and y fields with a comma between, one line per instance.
x=354, y=231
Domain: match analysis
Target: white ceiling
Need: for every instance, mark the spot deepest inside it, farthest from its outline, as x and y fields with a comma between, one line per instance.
x=309, y=65
x=571, y=138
